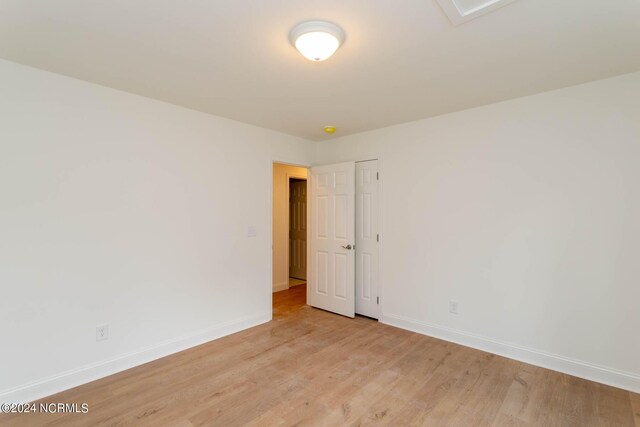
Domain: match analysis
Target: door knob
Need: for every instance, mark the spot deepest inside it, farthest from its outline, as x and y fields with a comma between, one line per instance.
x=349, y=247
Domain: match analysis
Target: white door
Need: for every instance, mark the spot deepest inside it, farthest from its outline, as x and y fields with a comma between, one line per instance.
x=367, y=238
x=298, y=229
x=331, y=260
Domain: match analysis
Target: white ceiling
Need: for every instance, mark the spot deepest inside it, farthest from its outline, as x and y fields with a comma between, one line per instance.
x=402, y=60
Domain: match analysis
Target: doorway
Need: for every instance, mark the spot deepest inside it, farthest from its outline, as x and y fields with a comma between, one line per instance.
x=341, y=203
x=289, y=226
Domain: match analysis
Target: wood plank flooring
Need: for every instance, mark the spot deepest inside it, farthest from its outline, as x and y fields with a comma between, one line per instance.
x=310, y=367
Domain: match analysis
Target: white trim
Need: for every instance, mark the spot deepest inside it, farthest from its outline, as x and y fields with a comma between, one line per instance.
x=308, y=227
x=458, y=17
x=281, y=286
x=590, y=371
x=76, y=377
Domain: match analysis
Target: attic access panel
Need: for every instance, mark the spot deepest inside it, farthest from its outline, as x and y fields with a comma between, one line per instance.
x=461, y=11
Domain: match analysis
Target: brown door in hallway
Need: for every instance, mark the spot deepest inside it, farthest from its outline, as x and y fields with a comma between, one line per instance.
x=298, y=229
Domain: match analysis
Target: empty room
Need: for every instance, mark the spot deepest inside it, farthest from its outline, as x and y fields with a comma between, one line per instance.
x=320, y=213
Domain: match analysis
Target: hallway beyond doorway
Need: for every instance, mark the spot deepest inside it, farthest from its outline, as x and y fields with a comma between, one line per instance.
x=296, y=282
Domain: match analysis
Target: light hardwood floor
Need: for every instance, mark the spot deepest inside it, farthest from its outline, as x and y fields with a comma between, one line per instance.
x=296, y=282
x=310, y=367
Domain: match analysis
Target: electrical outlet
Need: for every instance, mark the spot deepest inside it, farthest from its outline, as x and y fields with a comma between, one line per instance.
x=102, y=332
x=453, y=307
x=252, y=231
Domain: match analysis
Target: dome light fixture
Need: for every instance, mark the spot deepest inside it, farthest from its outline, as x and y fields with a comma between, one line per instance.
x=316, y=40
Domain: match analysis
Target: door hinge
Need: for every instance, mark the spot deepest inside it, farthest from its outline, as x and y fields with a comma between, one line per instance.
x=377, y=300
x=377, y=176
x=377, y=237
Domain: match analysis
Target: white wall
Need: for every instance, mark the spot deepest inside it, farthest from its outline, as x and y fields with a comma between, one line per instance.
x=280, y=228
x=527, y=213
x=119, y=209
x=123, y=210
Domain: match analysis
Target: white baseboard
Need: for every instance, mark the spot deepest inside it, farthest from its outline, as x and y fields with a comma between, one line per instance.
x=277, y=287
x=577, y=368
x=73, y=378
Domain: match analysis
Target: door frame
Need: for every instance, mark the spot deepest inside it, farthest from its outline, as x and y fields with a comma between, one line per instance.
x=372, y=155
x=269, y=223
x=306, y=179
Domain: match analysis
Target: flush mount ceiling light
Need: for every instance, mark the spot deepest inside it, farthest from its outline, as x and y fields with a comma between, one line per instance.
x=316, y=40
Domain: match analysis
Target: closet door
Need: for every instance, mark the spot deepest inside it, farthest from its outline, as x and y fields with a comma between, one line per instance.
x=331, y=260
x=367, y=275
